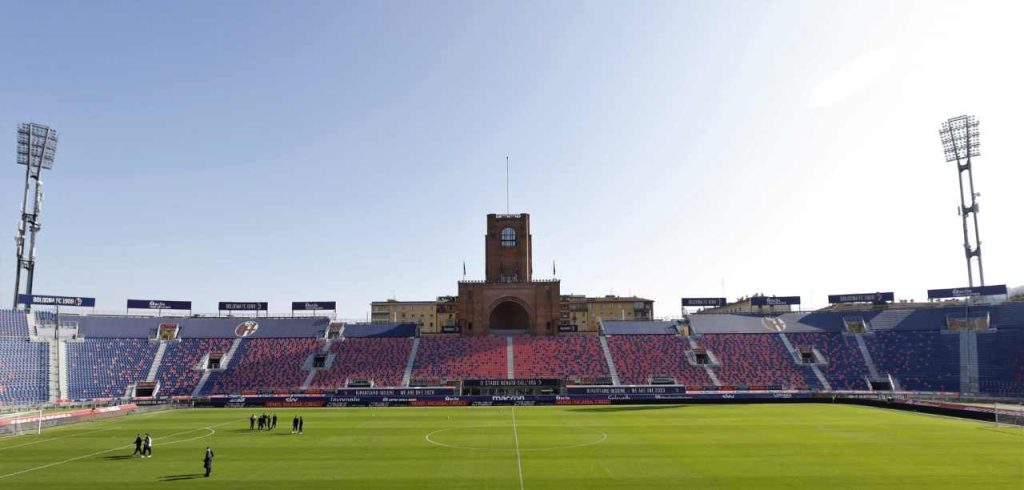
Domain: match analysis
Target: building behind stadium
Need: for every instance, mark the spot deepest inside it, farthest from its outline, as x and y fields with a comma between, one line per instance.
x=509, y=299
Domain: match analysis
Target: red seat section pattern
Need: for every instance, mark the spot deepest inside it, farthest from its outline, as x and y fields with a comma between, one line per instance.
x=461, y=358
x=756, y=360
x=846, y=368
x=559, y=357
x=640, y=357
x=381, y=359
x=178, y=374
x=264, y=364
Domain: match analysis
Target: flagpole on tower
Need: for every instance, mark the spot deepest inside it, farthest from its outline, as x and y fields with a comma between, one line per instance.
x=507, y=210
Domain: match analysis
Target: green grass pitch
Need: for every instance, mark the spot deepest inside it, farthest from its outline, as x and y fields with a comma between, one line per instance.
x=818, y=446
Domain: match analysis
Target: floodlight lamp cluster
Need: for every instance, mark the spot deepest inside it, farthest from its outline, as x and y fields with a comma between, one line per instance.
x=37, y=146
x=960, y=138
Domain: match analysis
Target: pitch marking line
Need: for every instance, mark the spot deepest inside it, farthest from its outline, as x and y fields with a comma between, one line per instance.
x=58, y=438
x=101, y=421
x=515, y=432
x=97, y=453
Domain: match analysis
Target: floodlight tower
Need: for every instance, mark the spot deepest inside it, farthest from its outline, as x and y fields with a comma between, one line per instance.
x=960, y=143
x=37, y=145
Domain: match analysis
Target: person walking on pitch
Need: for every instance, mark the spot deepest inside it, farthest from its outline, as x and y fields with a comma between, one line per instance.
x=273, y=422
x=252, y=421
x=300, y=425
x=147, y=447
x=295, y=424
x=208, y=461
x=138, y=445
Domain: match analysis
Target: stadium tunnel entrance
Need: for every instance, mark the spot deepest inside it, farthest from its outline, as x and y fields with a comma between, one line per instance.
x=509, y=315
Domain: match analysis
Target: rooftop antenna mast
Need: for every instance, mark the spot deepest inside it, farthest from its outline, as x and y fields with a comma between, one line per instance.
x=507, y=210
x=37, y=146
x=960, y=143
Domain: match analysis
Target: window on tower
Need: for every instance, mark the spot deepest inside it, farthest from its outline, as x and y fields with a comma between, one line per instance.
x=508, y=238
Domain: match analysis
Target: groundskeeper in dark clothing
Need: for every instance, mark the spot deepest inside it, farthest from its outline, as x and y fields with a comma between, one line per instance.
x=208, y=462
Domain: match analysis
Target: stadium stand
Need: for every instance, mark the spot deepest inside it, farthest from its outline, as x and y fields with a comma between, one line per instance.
x=23, y=372
x=757, y=360
x=913, y=345
x=845, y=368
x=266, y=364
x=1008, y=315
x=381, y=360
x=461, y=358
x=103, y=368
x=920, y=360
x=13, y=323
x=45, y=316
x=640, y=357
x=179, y=370
x=558, y=357
x=1001, y=361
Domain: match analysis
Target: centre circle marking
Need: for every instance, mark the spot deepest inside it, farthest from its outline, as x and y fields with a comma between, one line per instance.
x=603, y=436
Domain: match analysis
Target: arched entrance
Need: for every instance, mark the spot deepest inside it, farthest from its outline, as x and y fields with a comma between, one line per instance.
x=509, y=315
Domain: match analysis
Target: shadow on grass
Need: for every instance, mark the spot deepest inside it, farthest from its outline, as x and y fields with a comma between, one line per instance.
x=624, y=408
x=191, y=476
x=118, y=457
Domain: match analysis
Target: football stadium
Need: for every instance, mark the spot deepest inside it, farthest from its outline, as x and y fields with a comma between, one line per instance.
x=123, y=375
x=507, y=392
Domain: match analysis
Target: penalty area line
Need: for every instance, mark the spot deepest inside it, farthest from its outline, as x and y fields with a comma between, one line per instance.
x=78, y=434
x=40, y=441
x=97, y=453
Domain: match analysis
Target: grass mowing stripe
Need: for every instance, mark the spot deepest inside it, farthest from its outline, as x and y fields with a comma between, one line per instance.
x=519, y=457
x=126, y=446
x=763, y=446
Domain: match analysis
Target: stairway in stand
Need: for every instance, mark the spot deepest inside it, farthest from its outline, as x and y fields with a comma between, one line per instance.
x=157, y=359
x=407, y=374
x=53, y=371
x=224, y=363
x=608, y=360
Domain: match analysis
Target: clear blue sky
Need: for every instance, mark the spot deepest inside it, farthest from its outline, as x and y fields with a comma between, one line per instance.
x=350, y=151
